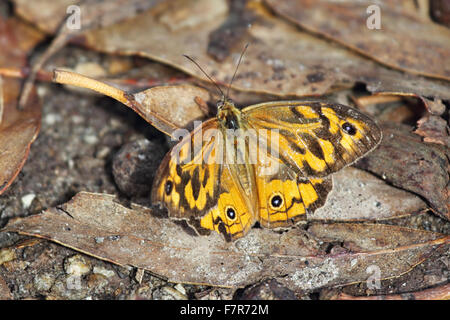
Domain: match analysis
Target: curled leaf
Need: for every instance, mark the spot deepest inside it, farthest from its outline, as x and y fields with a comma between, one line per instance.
x=168, y=108
x=433, y=129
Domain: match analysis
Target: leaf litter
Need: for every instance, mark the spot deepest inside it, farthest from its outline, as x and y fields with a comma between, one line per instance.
x=262, y=250
x=402, y=39
x=281, y=60
x=96, y=224
x=18, y=128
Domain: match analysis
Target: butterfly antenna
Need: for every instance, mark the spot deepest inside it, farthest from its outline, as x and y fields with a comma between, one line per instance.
x=235, y=71
x=204, y=72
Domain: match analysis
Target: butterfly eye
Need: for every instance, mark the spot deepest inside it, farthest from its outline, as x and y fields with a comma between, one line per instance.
x=276, y=201
x=168, y=187
x=349, y=128
x=231, y=213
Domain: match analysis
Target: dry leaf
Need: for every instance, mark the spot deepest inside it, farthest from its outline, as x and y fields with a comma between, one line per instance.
x=403, y=160
x=433, y=129
x=46, y=14
x=403, y=41
x=281, y=60
x=391, y=108
x=358, y=195
x=89, y=14
x=18, y=128
x=174, y=103
x=95, y=224
x=168, y=108
x=435, y=106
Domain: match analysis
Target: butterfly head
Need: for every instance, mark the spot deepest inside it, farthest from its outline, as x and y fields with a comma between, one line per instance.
x=228, y=115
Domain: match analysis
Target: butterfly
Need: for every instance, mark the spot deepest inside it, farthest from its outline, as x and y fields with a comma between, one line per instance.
x=268, y=163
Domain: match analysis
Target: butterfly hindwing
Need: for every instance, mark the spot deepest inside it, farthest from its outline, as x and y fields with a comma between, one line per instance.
x=284, y=198
x=233, y=216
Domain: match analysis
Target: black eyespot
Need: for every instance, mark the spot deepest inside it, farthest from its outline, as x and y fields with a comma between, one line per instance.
x=349, y=128
x=231, y=214
x=276, y=201
x=168, y=187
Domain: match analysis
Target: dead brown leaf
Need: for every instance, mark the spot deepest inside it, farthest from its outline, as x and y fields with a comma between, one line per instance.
x=89, y=14
x=47, y=15
x=18, y=128
x=403, y=160
x=358, y=195
x=433, y=129
x=435, y=106
x=168, y=108
x=176, y=103
x=404, y=41
x=391, y=108
x=281, y=59
x=370, y=237
x=97, y=225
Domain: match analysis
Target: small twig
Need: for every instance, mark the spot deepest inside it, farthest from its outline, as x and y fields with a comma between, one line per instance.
x=21, y=73
x=56, y=45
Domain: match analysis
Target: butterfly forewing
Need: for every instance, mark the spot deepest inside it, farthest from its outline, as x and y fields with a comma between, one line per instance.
x=188, y=179
x=315, y=139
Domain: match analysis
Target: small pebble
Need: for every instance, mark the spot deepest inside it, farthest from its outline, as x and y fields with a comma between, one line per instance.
x=43, y=282
x=76, y=265
x=134, y=166
x=168, y=293
x=180, y=288
x=99, y=239
x=27, y=200
x=90, y=139
x=103, y=271
x=52, y=118
x=7, y=255
x=177, y=295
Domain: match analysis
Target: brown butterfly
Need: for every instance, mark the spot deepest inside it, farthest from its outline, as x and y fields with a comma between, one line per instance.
x=268, y=163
